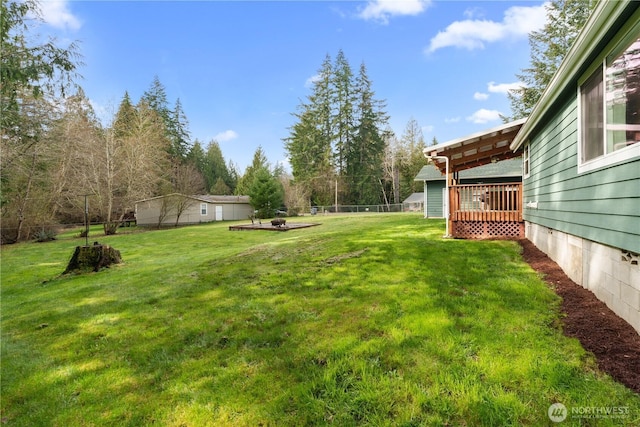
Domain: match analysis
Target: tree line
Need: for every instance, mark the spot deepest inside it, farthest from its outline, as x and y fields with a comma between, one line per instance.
x=56, y=153
x=341, y=149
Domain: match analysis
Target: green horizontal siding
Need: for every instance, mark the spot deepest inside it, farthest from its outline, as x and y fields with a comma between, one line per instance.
x=434, y=199
x=602, y=205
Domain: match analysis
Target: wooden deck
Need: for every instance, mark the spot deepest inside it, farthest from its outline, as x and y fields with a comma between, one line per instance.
x=480, y=211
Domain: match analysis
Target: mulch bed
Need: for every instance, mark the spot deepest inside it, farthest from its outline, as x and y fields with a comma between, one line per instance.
x=615, y=344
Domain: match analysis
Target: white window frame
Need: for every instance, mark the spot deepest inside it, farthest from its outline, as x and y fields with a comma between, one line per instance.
x=203, y=209
x=632, y=151
x=526, y=160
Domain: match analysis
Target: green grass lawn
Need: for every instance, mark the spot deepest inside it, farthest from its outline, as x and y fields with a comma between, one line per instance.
x=363, y=320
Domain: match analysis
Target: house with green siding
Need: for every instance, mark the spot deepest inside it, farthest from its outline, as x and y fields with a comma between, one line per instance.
x=581, y=161
x=504, y=171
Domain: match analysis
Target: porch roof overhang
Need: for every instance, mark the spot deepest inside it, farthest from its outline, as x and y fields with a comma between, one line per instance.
x=477, y=149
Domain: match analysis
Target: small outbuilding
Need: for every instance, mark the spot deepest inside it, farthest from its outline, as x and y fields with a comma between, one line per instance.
x=180, y=209
x=414, y=203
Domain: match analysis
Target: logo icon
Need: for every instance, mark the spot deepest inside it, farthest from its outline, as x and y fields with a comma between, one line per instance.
x=557, y=412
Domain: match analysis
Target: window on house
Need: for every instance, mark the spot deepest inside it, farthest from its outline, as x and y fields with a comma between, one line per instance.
x=592, y=127
x=623, y=97
x=203, y=209
x=610, y=103
x=525, y=161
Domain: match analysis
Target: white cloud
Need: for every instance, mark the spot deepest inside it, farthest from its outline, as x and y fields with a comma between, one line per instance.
x=225, y=136
x=503, y=88
x=474, y=13
x=452, y=120
x=56, y=13
x=285, y=164
x=102, y=112
x=484, y=116
x=427, y=129
x=472, y=34
x=479, y=96
x=382, y=10
x=311, y=81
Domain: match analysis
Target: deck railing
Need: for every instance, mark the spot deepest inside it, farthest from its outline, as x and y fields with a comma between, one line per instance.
x=487, y=202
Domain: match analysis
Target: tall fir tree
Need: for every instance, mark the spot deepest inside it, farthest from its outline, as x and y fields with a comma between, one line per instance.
x=125, y=118
x=178, y=132
x=259, y=162
x=343, y=111
x=156, y=98
x=175, y=121
x=215, y=168
x=197, y=156
x=327, y=144
x=364, y=159
x=309, y=144
x=265, y=192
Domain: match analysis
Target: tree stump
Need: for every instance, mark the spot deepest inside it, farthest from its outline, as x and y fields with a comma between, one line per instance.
x=93, y=258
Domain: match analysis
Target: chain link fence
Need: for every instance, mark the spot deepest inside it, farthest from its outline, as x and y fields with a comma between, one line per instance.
x=399, y=207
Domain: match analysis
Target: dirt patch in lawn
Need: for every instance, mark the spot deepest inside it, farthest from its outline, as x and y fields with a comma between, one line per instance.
x=615, y=344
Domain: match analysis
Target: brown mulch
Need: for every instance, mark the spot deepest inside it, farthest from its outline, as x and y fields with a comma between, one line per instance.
x=614, y=343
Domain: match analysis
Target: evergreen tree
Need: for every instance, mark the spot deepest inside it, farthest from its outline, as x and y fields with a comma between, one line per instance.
x=265, y=193
x=175, y=121
x=364, y=159
x=156, y=99
x=220, y=187
x=337, y=137
x=309, y=145
x=233, y=176
x=197, y=157
x=179, y=134
x=214, y=166
x=343, y=111
x=246, y=181
x=565, y=19
x=27, y=71
x=125, y=118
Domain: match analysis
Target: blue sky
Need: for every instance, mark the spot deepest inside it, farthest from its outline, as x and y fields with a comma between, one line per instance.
x=241, y=68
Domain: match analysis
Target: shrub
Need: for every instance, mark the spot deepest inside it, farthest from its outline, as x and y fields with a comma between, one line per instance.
x=45, y=235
